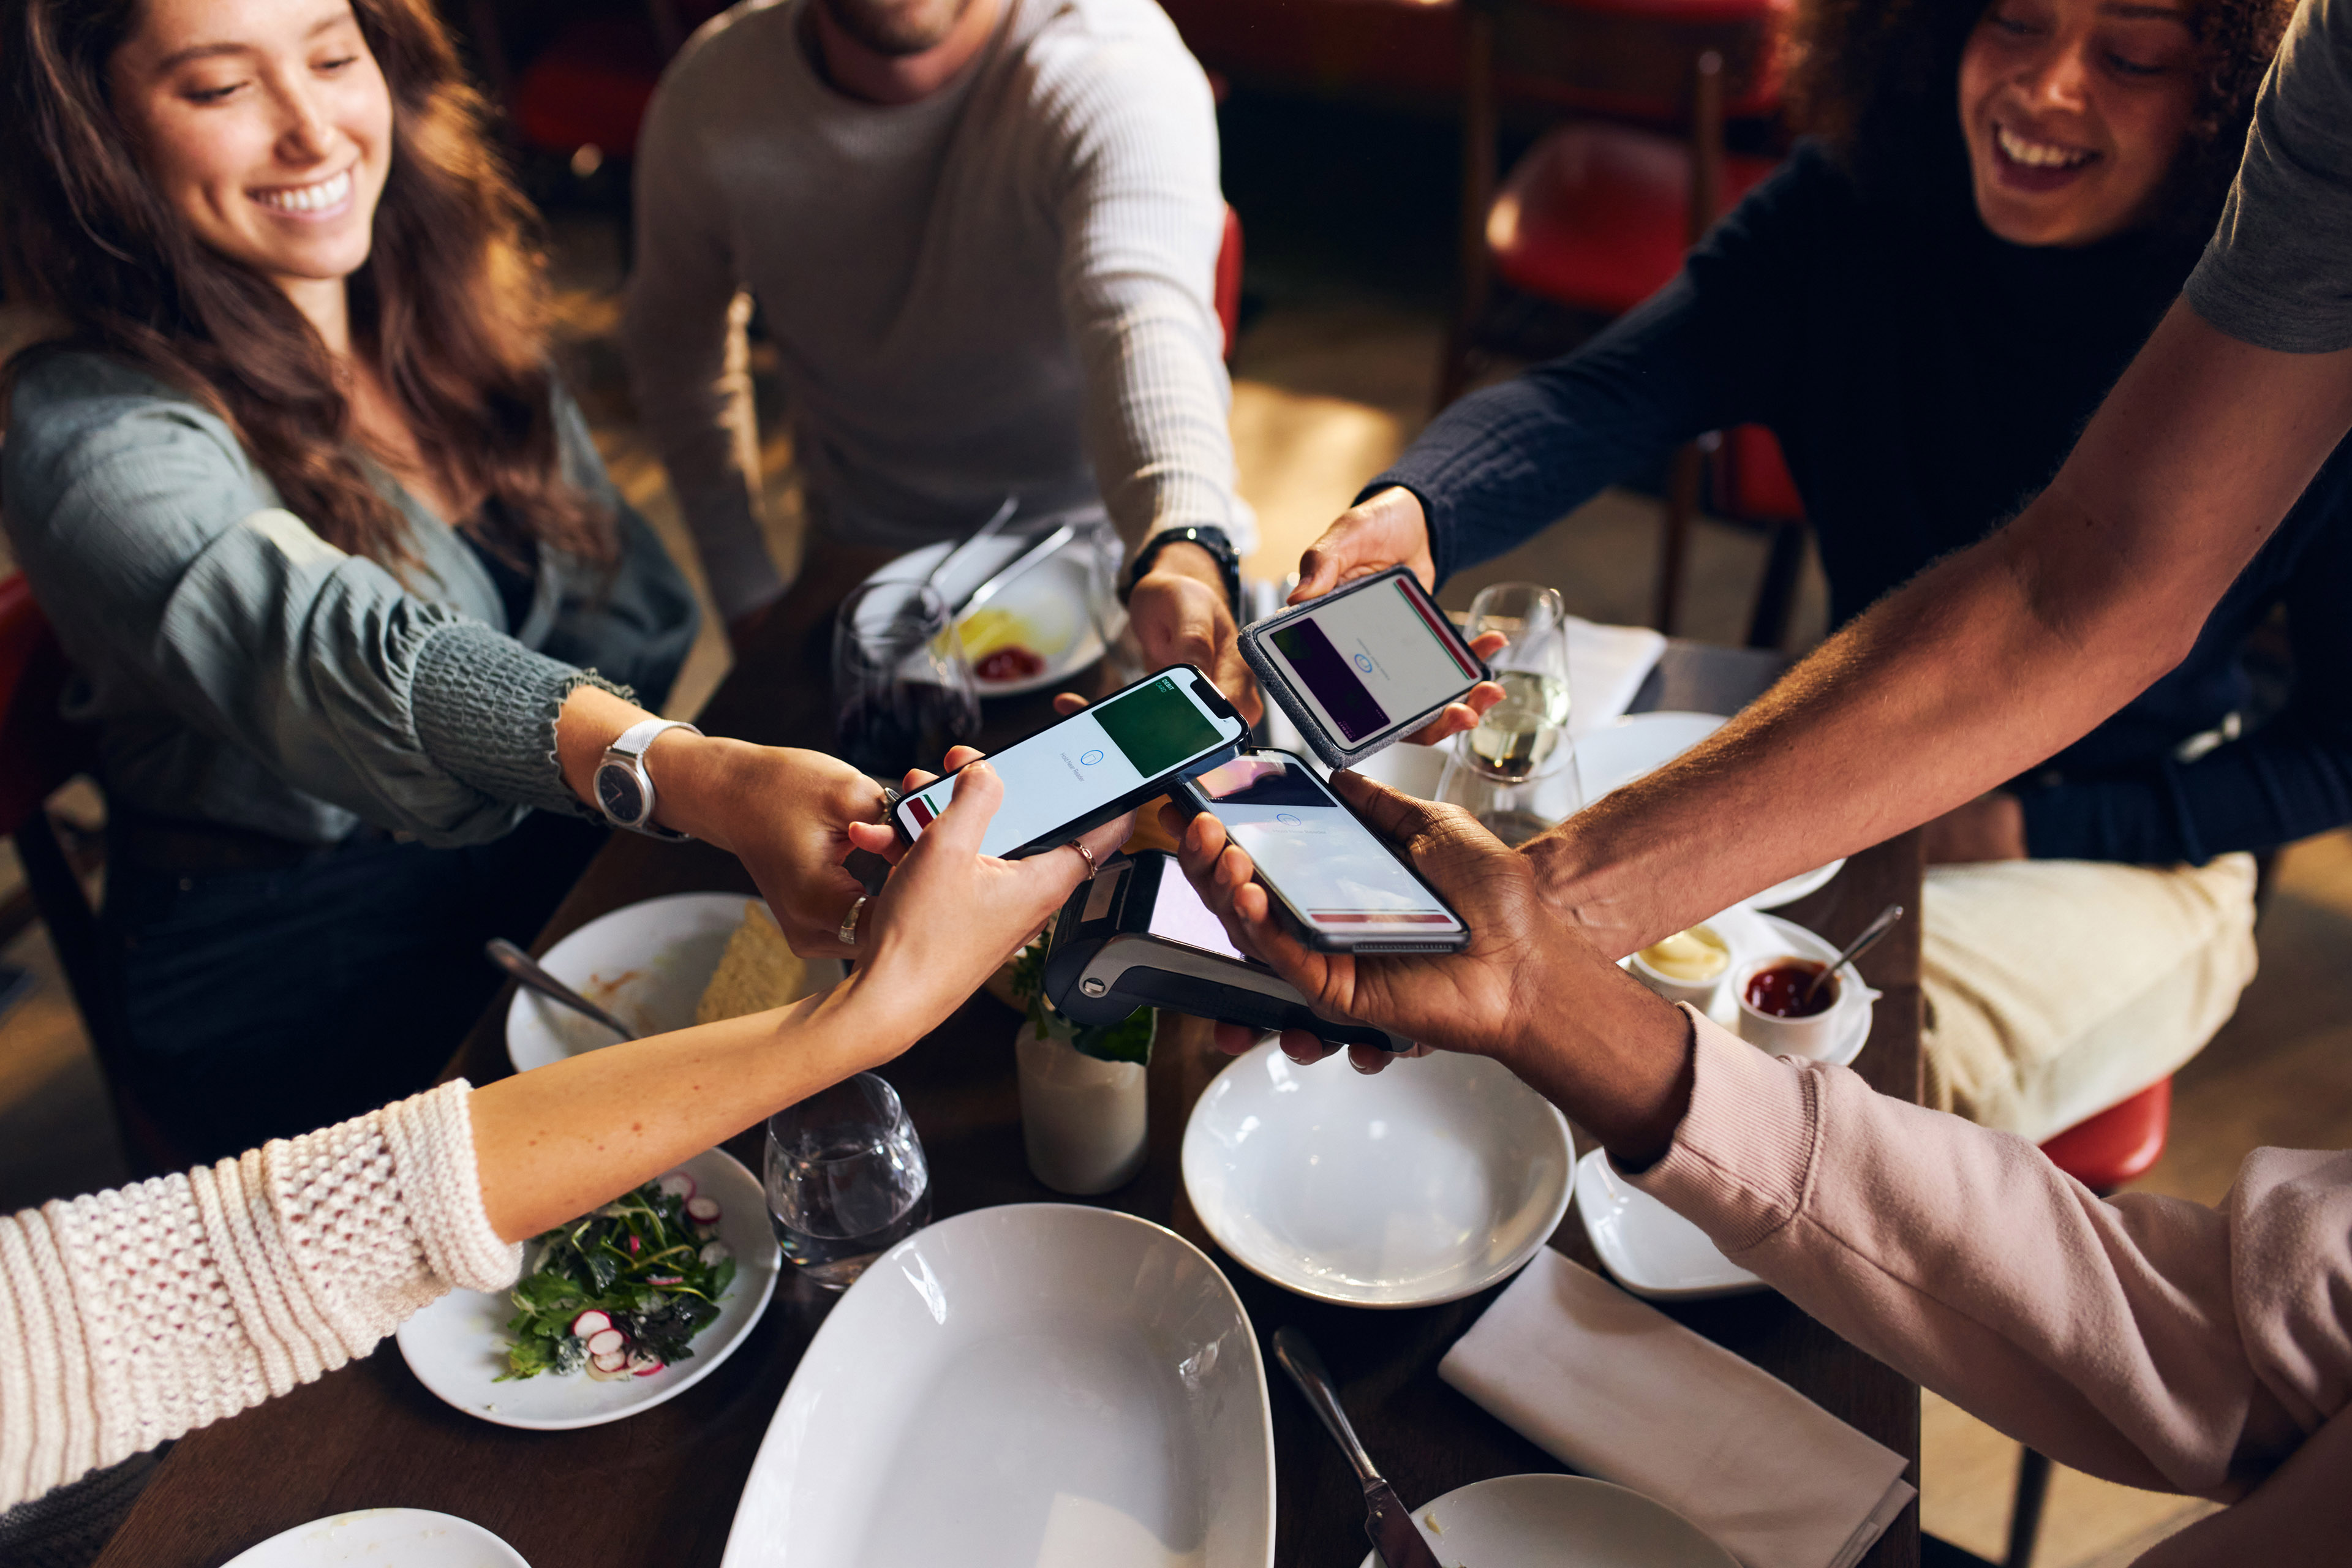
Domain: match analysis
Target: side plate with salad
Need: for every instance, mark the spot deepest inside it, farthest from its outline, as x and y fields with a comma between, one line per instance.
x=544, y=1354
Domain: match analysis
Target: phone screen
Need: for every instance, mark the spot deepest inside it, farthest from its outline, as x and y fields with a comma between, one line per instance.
x=1335, y=873
x=1179, y=915
x=1369, y=660
x=1062, y=774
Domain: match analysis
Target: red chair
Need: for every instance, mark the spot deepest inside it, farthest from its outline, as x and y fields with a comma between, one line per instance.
x=39, y=752
x=2108, y=1151
x=581, y=94
x=1598, y=216
x=1229, y=281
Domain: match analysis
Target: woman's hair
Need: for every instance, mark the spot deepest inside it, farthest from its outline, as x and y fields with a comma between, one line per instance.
x=450, y=304
x=1878, y=80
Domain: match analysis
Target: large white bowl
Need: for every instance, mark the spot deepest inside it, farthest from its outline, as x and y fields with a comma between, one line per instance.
x=1559, y=1521
x=383, y=1538
x=456, y=1347
x=1426, y=1182
x=645, y=963
x=1041, y=1385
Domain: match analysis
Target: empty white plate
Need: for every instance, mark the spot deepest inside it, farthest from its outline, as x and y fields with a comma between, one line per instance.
x=1559, y=1521
x=1423, y=1182
x=1041, y=1385
x=645, y=963
x=1616, y=754
x=458, y=1346
x=1649, y=1248
x=383, y=1538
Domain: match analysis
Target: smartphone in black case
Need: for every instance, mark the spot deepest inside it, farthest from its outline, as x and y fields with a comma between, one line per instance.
x=1362, y=667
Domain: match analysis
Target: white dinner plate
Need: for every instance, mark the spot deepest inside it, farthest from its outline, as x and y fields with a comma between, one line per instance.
x=1646, y=1246
x=1049, y=599
x=1616, y=754
x=1040, y=1386
x=458, y=1346
x=1559, y=1521
x=645, y=963
x=383, y=1538
x=1426, y=1182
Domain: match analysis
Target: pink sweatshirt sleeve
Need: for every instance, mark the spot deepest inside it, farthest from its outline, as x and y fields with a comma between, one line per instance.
x=2154, y=1342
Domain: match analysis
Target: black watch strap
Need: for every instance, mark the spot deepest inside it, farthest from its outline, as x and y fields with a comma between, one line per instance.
x=1212, y=540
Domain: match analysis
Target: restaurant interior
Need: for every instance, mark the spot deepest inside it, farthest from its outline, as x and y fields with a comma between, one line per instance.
x=1387, y=163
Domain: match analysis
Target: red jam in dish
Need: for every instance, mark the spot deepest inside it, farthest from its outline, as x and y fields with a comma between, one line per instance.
x=1010, y=663
x=1778, y=991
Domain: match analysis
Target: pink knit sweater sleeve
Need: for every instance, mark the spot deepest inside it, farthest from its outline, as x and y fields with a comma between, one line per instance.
x=2154, y=1342
x=131, y=1316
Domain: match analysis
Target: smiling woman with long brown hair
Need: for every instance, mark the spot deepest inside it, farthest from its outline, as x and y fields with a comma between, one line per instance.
x=342, y=578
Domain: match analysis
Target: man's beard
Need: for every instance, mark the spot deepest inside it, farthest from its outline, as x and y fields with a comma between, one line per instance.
x=895, y=28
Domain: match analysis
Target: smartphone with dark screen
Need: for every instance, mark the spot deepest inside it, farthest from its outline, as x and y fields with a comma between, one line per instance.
x=1363, y=665
x=1334, y=883
x=1083, y=770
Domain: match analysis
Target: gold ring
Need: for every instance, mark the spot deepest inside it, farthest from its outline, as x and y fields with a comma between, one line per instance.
x=848, y=931
x=1086, y=855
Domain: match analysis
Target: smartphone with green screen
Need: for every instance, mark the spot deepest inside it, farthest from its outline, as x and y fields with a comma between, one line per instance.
x=1094, y=765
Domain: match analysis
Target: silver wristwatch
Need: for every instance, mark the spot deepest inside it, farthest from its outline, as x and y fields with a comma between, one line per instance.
x=625, y=791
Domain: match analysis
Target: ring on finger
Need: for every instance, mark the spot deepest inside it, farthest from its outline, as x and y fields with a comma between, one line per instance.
x=1087, y=856
x=848, y=930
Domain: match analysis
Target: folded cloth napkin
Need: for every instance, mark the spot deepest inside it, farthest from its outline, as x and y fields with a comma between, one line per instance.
x=1606, y=667
x=1613, y=1387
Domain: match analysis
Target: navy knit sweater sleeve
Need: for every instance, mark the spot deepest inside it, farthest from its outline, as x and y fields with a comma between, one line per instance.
x=1701, y=354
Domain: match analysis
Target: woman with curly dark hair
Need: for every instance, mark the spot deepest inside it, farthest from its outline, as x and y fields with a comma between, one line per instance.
x=1925, y=304
x=344, y=584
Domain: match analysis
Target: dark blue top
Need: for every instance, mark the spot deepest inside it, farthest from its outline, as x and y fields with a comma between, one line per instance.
x=1925, y=379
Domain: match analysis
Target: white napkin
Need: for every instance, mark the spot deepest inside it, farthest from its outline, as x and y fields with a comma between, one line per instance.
x=1606, y=666
x=1616, y=1389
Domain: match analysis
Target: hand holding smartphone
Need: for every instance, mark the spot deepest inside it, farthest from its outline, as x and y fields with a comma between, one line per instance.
x=1094, y=765
x=1363, y=665
x=1331, y=880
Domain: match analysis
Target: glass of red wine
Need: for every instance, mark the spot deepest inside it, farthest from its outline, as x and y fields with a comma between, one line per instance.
x=902, y=689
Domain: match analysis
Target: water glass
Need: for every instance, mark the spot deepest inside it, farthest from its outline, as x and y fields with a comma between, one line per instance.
x=902, y=689
x=846, y=1180
x=1524, y=734
x=1514, y=808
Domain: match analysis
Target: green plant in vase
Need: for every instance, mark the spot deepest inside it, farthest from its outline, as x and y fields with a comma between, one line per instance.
x=1128, y=1040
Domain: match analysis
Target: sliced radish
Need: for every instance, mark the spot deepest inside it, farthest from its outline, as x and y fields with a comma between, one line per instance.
x=702, y=1211
x=606, y=1342
x=591, y=1321
x=612, y=1361
x=678, y=1184
x=714, y=1254
x=642, y=1365
x=664, y=1279
x=634, y=1245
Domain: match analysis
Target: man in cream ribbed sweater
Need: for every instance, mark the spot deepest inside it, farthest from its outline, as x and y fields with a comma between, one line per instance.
x=984, y=236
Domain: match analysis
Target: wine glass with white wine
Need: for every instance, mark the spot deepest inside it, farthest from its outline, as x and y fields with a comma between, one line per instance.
x=1521, y=736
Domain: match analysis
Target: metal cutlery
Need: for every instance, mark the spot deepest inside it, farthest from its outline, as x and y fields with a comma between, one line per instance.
x=1386, y=1522
x=526, y=970
x=985, y=531
x=1044, y=548
x=1853, y=950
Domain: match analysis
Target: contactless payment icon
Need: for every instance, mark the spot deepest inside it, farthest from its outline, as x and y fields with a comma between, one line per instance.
x=1090, y=759
x=1364, y=662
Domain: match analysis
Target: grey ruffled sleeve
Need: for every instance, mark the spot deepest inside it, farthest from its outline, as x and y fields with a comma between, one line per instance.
x=486, y=707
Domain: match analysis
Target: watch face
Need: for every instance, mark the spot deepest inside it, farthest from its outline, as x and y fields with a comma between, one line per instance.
x=618, y=792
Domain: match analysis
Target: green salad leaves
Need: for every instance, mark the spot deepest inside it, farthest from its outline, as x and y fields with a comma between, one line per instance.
x=620, y=1292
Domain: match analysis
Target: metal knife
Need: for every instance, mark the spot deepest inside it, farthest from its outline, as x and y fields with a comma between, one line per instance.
x=1386, y=1522
x=526, y=969
x=1046, y=547
x=985, y=531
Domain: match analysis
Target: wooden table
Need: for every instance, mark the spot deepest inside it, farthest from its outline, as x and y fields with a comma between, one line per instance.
x=661, y=1487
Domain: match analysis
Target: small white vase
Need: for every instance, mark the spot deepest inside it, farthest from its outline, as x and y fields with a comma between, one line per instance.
x=1082, y=1121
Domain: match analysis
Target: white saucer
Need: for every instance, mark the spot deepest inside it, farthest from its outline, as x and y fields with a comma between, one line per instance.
x=456, y=1347
x=1648, y=1247
x=1559, y=1521
x=1050, y=597
x=1616, y=754
x=645, y=963
x=383, y=1538
x=1425, y=1183
x=1751, y=936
